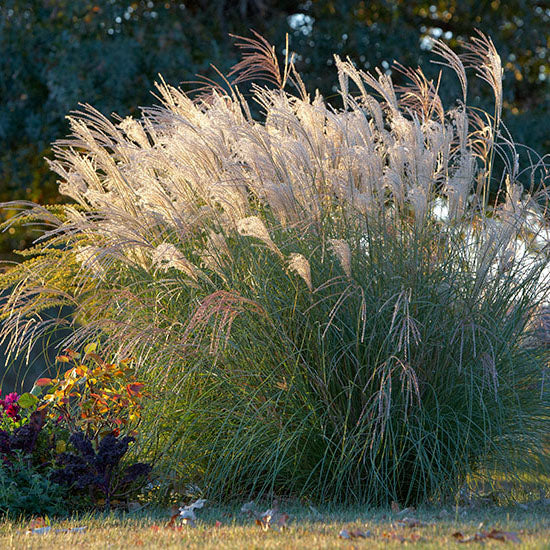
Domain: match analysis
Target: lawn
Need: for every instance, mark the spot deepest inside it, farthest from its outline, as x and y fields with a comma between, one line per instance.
x=523, y=526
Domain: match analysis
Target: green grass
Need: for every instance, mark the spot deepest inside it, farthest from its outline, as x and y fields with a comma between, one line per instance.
x=307, y=529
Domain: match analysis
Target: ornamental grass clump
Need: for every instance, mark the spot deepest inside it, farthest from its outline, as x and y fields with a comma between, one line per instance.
x=327, y=301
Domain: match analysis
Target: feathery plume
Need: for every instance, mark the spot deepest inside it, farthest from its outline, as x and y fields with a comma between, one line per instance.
x=166, y=256
x=255, y=227
x=300, y=265
x=342, y=251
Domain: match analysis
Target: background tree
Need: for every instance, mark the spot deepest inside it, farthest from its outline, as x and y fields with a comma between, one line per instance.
x=57, y=53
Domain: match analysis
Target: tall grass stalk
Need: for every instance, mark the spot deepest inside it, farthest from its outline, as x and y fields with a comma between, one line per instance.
x=324, y=300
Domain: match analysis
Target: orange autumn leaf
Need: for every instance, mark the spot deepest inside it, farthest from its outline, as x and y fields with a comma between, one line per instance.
x=80, y=371
x=172, y=522
x=134, y=388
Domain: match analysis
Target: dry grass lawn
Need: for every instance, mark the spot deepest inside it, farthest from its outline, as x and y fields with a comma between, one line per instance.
x=522, y=526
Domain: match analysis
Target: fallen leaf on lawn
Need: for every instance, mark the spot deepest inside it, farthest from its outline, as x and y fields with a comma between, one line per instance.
x=282, y=521
x=39, y=526
x=172, y=523
x=344, y=534
x=271, y=519
x=394, y=536
x=262, y=524
x=195, y=505
x=359, y=534
x=187, y=513
x=39, y=530
x=188, y=517
x=505, y=536
x=411, y=523
x=460, y=537
x=264, y=521
x=38, y=522
x=354, y=534
x=495, y=534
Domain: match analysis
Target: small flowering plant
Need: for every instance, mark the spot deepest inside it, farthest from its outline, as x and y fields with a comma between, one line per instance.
x=76, y=429
x=15, y=409
x=10, y=409
x=24, y=429
x=94, y=396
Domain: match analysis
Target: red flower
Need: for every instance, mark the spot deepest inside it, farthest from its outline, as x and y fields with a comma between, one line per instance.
x=10, y=398
x=12, y=411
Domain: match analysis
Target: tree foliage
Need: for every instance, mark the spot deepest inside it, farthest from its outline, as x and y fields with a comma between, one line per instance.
x=57, y=53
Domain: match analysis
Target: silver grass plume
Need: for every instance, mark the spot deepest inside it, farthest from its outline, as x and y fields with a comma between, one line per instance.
x=300, y=265
x=342, y=251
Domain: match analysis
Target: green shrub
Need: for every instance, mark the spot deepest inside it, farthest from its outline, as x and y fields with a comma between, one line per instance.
x=323, y=303
x=26, y=491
